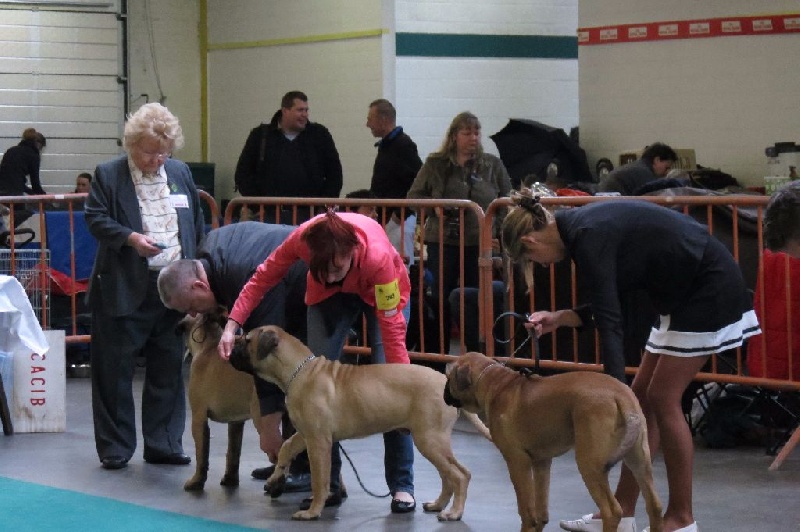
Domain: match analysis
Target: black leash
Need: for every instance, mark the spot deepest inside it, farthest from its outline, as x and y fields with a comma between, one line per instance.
x=525, y=371
x=531, y=337
x=358, y=477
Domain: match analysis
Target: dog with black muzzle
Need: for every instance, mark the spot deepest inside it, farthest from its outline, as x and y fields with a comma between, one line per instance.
x=533, y=419
x=328, y=401
x=217, y=392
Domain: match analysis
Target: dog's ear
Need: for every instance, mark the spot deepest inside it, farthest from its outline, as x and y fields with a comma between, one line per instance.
x=218, y=316
x=267, y=342
x=185, y=325
x=462, y=377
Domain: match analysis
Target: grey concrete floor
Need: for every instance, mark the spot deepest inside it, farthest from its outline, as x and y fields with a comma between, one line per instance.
x=733, y=490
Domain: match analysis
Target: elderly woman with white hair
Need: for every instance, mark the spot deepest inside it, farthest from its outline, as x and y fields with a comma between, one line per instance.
x=144, y=210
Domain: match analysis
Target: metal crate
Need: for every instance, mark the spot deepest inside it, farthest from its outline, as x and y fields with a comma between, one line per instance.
x=30, y=267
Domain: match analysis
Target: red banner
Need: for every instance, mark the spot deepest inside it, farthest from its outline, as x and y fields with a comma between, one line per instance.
x=690, y=29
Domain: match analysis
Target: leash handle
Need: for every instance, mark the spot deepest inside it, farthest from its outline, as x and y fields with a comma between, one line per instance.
x=531, y=336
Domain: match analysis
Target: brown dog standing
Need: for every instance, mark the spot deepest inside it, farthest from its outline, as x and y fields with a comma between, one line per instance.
x=328, y=401
x=534, y=419
x=217, y=392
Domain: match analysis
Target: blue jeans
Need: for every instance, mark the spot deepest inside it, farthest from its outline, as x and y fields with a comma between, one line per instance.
x=329, y=322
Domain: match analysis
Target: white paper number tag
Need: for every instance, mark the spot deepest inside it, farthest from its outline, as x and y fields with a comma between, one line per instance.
x=179, y=201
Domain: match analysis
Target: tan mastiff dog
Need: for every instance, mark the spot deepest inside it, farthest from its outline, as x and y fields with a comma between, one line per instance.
x=328, y=401
x=217, y=392
x=533, y=419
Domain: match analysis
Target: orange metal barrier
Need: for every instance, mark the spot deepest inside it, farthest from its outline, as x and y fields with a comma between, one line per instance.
x=296, y=210
x=736, y=220
x=725, y=218
x=212, y=205
x=37, y=273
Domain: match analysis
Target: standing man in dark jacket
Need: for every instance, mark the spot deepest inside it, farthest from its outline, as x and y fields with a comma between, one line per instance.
x=397, y=161
x=290, y=157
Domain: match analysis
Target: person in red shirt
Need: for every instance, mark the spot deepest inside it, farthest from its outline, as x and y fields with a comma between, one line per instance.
x=353, y=269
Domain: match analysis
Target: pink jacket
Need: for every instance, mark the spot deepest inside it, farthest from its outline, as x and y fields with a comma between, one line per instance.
x=377, y=275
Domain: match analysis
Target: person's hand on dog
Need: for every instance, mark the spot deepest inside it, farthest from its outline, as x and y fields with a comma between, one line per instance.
x=225, y=345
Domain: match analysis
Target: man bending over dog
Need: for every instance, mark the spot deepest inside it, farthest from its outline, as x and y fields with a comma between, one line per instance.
x=225, y=263
x=353, y=269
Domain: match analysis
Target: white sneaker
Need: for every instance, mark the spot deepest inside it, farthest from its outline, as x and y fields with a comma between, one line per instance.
x=588, y=524
x=689, y=528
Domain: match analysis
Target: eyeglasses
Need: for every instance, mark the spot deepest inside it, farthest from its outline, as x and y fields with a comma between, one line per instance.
x=155, y=155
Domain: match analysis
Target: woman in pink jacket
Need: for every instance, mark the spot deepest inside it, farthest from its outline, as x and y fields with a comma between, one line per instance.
x=353, y=269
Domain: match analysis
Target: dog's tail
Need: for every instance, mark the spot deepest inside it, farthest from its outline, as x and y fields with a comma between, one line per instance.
x=478, y=424
x=634, y=424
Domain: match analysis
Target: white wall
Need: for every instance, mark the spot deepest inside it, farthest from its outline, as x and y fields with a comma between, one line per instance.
x=164, y=55
x=59, y=75
x=340, y=77
x=727, y=97
x=431, y=91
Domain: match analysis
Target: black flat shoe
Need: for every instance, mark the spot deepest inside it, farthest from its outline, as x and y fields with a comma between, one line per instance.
x=114, y=462
x=263, y=473
x=334, y=499
x=167, y=459
x=403, y=507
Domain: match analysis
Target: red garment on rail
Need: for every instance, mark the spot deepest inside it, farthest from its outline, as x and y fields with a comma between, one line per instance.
x=773, y=320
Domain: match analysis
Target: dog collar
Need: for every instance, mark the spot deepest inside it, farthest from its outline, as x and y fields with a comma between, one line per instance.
x=297, y=370
x=480, y=375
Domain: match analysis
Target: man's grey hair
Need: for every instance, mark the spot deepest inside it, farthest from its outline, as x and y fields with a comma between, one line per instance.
x=176, y=277
x=385, y=109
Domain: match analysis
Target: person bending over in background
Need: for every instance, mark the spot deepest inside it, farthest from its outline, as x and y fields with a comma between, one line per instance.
x=353, y=269
x=656, y=161
x=144, y=211
x=694, y=284
x=224, y=264
x=20, y=163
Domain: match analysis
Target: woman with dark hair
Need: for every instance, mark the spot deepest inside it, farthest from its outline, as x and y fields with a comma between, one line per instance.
x=352, y=269
x=692, y=281
x=656, y=161
x=20, y=163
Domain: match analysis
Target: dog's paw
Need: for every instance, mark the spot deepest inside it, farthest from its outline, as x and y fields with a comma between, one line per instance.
x=195, y=484
x=432, y=506
x=275, y=486
x=305, y=515
x=230, y=480
x=449, y=516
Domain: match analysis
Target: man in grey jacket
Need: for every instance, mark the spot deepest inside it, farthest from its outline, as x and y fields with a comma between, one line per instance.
x=224, y=264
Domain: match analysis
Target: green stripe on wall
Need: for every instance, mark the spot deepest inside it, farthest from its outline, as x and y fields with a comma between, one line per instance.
x=459, y=45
